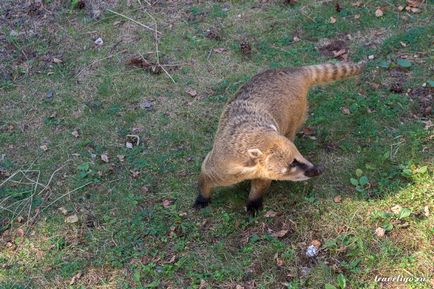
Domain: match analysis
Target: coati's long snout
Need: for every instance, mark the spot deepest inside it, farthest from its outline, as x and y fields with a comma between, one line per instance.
x=257, y=128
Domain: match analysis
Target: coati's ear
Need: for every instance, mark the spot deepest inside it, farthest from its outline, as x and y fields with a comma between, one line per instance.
x=254, y=153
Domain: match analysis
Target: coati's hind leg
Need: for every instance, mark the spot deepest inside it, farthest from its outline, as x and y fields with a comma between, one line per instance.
x=204, y=196
x=257, y=189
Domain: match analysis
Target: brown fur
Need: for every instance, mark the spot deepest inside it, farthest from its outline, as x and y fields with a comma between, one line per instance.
x=257, y=128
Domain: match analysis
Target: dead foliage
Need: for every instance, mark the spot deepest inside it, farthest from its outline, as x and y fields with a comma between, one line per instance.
x=336, y=48
x=423, y=98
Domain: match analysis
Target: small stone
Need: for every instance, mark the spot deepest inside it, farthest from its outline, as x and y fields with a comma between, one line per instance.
x=99, y=41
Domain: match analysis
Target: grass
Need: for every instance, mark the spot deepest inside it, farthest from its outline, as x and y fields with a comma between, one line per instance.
x=135, y=227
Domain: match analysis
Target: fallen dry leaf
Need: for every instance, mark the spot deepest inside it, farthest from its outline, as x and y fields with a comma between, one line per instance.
x=357, y=4
x=121, y=158
x=332, y=20
x=71, y=219
x=166, y=203
x=203, y=284
x=345, y=110
x=400, y=8
x=20, y=219
x=105, y=158
x=426, y=211
x=279, y=262
x=414, y=3
x=245, y=48
x=63, y=210
x=316, y=243
x=396, y=209
x=296, y=39
x=280, y=234
x=44, y=147
x=379, y=232
x=219, y=50
x=20, y=232
x=357, y=16
x=190, y=91
x=75, y=278
x=270, y=214
x=379, y=12
x=171, y=260
x=337, y=199
x=370, y=57
x=135, y=174
x=239, y=287
x=57, y=60
x=76, y=133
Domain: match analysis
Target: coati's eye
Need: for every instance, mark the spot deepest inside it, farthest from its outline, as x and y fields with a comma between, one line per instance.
x=294, y=164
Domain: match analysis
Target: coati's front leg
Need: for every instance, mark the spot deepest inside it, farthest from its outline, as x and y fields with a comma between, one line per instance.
x=204, y=195
x=257, y=189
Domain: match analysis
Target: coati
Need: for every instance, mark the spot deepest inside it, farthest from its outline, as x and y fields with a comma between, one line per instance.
x=254, y=140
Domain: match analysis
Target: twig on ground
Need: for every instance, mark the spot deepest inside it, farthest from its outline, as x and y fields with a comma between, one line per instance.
x=64, y=195
x=135, y=21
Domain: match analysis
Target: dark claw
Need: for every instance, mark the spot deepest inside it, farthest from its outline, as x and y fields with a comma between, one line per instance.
x=201, y=202
x=253, y=206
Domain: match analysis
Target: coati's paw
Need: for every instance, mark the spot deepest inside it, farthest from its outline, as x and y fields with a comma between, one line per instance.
x=201, y=202
x=253, y=206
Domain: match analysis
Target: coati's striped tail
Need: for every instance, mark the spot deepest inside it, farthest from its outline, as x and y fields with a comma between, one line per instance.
x=322, y=73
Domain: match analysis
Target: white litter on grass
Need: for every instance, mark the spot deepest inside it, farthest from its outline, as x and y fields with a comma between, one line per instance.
x=311, y=251
x=99, y=41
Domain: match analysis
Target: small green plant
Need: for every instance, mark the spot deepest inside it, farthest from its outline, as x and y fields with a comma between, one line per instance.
x=361, y=182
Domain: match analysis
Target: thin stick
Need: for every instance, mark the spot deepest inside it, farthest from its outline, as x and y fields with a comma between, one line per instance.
x=137, y=22
x=64, y=195
x=171, y=78
x=157, y=52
